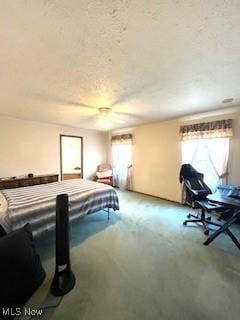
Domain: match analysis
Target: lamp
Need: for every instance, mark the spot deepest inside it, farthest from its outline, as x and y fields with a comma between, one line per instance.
x=104, y=121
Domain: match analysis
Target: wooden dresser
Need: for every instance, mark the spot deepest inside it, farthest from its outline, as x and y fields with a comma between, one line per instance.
x=27, y=181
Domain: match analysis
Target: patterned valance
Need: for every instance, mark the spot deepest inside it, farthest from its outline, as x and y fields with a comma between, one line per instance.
x=206, y=130
x=122, y=139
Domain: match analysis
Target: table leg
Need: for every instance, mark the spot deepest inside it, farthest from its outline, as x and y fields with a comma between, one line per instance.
x=234, y=239
x=223, y=228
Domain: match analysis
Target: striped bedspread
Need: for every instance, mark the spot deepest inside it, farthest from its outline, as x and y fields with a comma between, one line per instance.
x=37, y=204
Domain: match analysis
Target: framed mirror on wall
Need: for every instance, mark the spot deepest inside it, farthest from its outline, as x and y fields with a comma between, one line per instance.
x=71, y=157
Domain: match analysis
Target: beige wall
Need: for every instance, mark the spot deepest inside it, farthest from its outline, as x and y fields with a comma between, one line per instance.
x=33, y=147
x=157, y=156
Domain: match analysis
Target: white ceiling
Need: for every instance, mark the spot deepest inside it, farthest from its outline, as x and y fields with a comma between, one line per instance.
x=152, y=59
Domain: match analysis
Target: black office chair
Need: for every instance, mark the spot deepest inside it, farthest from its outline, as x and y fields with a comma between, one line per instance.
x=196, y=192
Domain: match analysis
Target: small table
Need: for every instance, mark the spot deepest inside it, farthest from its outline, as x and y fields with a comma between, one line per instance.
x=218, y=197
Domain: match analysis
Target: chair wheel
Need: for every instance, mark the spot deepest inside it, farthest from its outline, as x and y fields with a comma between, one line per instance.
x=185, y=223
x=189, y=216
x=206, y=232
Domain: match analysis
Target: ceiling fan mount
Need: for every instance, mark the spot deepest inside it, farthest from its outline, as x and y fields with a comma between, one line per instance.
x=105, y=111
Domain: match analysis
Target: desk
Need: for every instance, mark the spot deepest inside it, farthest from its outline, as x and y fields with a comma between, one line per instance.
x=218, y=197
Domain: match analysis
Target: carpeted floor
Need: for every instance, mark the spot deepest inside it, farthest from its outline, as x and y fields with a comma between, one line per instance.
x=144, y=264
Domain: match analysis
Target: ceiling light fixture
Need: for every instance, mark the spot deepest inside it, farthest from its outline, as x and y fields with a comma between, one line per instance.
x=104, y=121
x=228, y=100
x=105, y=111
x=105, y=124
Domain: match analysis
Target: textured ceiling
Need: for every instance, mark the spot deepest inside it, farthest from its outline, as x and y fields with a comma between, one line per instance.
x=148, y=59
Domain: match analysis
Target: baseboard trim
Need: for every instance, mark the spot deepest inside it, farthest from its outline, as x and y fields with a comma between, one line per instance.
x=157, y=197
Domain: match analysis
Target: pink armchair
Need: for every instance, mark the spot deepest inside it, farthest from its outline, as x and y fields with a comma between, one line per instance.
x=104, y=174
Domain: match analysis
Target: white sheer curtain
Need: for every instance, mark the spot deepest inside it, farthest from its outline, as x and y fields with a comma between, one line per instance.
x=122, y=162
x=218, y=153
x=209, y=156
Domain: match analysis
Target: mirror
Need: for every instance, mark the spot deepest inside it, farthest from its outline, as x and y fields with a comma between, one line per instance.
x=71, y=157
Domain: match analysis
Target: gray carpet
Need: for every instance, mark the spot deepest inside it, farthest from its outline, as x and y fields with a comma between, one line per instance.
x=144, y=264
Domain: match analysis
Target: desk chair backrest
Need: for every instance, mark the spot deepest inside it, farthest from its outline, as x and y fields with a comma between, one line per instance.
x=194, y=186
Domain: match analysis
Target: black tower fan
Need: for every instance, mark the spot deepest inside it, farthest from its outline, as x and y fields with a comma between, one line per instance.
x=64, y=279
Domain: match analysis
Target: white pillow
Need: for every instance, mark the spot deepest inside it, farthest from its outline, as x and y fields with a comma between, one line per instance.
x=104, y=174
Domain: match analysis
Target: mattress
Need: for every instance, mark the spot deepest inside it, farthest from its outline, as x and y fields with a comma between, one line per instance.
x=37, y=204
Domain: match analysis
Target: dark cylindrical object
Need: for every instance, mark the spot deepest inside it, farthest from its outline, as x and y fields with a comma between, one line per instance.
x=62, y=230
x=64, y=279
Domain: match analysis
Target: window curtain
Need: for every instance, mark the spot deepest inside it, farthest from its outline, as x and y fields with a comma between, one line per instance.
x=207, y=130
x=215, y=138
x=219, y=163
x=209, y=156
x=122, y=161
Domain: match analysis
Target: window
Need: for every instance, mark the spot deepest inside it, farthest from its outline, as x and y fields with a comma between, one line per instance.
x=122, y=160
x=122, y=155
x=208, y=156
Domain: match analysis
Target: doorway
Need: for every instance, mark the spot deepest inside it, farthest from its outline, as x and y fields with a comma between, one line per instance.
x=71, y=157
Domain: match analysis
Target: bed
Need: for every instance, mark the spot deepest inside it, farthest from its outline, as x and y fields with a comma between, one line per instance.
x=37, y=204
